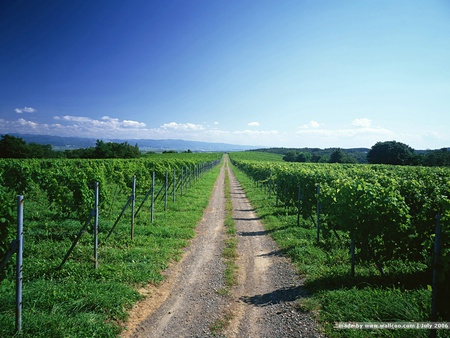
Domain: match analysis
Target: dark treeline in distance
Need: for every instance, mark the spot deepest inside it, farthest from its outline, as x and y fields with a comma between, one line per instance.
x=16, y=147
x=388, y=152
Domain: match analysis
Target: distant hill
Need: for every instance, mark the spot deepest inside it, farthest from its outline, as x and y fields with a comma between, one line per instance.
x=63, y=143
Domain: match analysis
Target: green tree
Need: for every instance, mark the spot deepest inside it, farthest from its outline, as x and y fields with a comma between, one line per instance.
x=337, y=156
x=437, y=158
x=16, y=147
x=115, y=150
x=392, y=152
x=290, y=156
x=303, y=157
x=13, y=147
x=340, y=156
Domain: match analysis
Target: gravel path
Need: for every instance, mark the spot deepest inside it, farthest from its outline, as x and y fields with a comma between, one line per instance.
x=187, y=303
x=268, y=286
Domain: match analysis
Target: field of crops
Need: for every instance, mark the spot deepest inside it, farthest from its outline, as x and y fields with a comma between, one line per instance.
x=76, y=299
x=359, y=228
x=364, y=236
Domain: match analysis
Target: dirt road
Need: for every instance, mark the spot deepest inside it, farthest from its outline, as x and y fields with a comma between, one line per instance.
x=188, y=303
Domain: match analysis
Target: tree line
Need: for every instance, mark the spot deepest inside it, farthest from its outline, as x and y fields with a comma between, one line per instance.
x=16, y=147
x=388, y=152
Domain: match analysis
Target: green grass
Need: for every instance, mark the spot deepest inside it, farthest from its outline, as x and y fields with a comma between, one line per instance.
x=78, y=301
x=335, y=296
x=230, y=255
x=230, y=249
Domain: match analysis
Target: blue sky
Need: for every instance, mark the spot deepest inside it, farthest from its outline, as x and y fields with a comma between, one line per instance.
x=269, y=73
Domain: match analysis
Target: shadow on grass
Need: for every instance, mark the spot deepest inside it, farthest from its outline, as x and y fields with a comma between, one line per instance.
x=407, y=281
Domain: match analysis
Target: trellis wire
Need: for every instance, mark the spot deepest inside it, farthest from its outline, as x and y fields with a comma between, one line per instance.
x=17, y=246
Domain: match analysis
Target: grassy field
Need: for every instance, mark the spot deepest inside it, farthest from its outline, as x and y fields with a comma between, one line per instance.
x=79, y=301
x=402, y=295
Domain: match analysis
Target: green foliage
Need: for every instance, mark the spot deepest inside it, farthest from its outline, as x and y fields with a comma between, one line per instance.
x=76, y=300
x=436, y=158
x=389, y=211
x=314, y=155
x=392, y=152
x=15, y=147
x=7, y=222
x=339, y=156
x=106, y=150
x=401, y=295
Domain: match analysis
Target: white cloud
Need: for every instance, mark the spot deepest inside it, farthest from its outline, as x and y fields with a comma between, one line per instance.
x=24, y=122
x=255, y=132
x=314, y=135
x=365, y=123
x=25, y=110
x=133, y=124
x=105, y=122
x=183, y=126
x=253, y=124
x=70, y=118
x=311, y=124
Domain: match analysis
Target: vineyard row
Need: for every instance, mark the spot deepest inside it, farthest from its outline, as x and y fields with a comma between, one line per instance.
x=387, y=212
x=76, y=193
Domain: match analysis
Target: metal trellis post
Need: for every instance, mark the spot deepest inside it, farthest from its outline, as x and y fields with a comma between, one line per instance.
x=153, y=196
x=133, y=203
x=318, y=212
x=166, y=190
x=19, y=263
x=96, y=227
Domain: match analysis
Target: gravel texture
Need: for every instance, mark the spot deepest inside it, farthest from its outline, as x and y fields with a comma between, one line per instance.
x=262, y=304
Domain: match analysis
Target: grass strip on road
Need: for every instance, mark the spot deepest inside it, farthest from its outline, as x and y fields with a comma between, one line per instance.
x=230, y=255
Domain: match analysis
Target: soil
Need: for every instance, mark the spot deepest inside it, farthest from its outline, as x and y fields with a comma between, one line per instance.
x=189, y=302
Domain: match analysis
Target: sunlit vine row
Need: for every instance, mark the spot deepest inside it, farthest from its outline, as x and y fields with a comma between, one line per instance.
x=68, y=183
x=389, y=211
